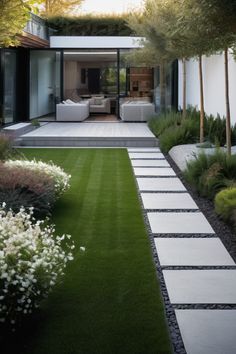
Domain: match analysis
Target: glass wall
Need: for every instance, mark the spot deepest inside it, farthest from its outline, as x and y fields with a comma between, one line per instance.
x=9, y=86
x=44, y=83
x=163, y=87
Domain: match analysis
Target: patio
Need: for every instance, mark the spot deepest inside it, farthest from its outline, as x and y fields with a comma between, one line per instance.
x=109, y=134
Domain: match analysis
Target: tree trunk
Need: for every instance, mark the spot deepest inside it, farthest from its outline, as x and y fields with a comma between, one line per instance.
x=202, y=110
x=184, y=89
x=228, y=123
x=162, y=88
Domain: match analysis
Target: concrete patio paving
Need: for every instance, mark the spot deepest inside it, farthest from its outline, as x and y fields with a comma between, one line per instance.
x=91, y=134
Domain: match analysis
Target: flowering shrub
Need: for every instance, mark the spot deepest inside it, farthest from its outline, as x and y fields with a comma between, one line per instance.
x=61, y=179
x=20, y=186
x=31, y=262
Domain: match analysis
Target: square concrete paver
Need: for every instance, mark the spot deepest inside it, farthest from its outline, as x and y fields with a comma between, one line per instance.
x=179, y=223
x=201, y=286
x=143, y=149
x=208, y=331
x=150, y=163
x=146, y=155
x=192, y=252
x=154, y=171
x=160, y=184
x=168, y=201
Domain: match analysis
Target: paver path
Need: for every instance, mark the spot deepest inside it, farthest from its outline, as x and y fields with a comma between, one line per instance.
x=199, y=273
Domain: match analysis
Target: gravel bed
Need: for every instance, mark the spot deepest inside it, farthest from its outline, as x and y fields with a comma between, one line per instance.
x=197, y=267
x=172, y=210
x=205, y=307
x=222, y=230
x=184, y=235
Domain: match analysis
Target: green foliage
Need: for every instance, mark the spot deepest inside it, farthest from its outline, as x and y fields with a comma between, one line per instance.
x=159, y=123
x=225, y=204
x=165, y=126
x=177, y=135
x=35, y=123
x=13, y=18
x=208, y=174
x=112, y=25
x=58, y=7
x=5, y=147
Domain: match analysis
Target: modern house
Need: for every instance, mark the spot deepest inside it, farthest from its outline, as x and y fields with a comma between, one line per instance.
x=45, y=70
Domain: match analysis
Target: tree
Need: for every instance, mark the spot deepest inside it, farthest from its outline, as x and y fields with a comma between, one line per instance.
x=14, y=16
x=53, y=8
x=162, y=24
x=220, y=17
x=155, y=51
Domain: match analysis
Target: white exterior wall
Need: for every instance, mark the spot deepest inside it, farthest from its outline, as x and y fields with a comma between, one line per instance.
x=214, y=85
x=88, y=42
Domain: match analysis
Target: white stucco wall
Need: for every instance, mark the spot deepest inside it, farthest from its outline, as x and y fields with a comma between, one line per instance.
x=214, y=84
x=83, y=42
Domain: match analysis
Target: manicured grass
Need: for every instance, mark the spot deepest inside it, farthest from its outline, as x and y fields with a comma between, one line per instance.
x=109, y=301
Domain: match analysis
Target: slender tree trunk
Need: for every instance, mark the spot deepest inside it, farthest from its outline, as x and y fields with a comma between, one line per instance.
x=162, y=87
x=228, y=123
x=202, y=110
x=184, y=89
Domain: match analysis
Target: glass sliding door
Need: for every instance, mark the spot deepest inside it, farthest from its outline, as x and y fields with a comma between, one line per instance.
x=45, y=83
x=9, y=86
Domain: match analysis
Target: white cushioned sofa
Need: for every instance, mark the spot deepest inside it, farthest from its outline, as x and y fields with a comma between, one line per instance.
x=136, y=111
x=99, y=105
x=72, y=112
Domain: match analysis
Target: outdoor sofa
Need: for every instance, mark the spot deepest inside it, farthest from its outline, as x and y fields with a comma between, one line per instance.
x=136, y=111
x=72, y=112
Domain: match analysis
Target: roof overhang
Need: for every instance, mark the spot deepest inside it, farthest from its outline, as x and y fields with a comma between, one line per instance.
x=88, y=42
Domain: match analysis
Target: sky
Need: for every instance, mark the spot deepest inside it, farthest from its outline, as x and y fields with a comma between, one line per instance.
x=108, y=6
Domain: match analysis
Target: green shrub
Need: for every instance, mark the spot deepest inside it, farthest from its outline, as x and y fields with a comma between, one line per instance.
x=5, y=147
x=225, y=203
x=158, y=124
x=208, y=174
x=172, y=129
x=23, y=187
x=90, y=25
x=178, y=135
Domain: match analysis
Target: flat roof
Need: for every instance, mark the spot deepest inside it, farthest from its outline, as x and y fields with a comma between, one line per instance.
x=87, y=42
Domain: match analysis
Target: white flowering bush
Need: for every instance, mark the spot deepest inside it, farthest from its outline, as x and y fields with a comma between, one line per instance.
x=32, y=260
x=61, y=178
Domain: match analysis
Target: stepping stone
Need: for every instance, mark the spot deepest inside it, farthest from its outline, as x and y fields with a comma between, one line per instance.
x=143, y=150
x=160, y=184
x=192, y=252
x=201, y=286
x=208, y=331
x=168, y=201
x=150, y=163
x=154, y=171
x=146, y=155
x=179, y=223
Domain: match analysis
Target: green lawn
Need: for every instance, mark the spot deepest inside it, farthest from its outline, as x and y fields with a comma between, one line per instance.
x=109, y=301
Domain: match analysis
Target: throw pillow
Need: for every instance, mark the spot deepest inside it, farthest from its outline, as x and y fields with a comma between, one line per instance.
x=98, y=101
x=68, y=101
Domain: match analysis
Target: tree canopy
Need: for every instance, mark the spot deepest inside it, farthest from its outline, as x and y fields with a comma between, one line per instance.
x=14, y=16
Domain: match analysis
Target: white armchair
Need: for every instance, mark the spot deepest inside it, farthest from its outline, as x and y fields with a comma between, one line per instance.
x=75, y=112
